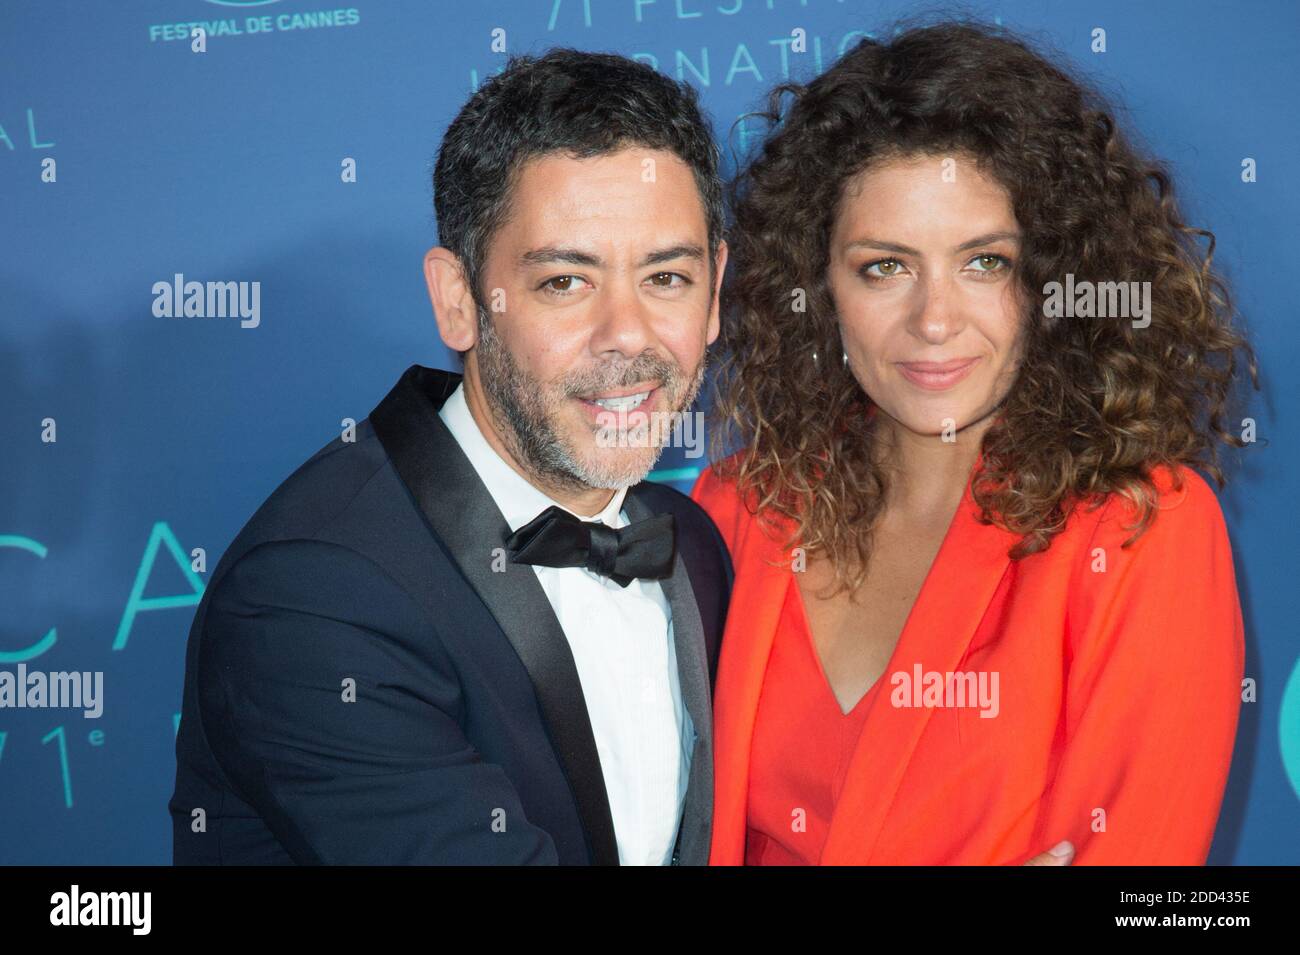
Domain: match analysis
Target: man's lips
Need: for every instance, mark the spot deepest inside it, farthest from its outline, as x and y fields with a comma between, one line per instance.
x=936, y=375
x=623, y=393
x=599, y=415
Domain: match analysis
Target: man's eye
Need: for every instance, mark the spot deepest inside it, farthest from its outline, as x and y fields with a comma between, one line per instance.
x=561, y=284
x=665, y=279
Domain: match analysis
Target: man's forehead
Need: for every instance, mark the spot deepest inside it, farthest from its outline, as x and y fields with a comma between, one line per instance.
x=665, y=230
x=610, y=183
x=606, y=207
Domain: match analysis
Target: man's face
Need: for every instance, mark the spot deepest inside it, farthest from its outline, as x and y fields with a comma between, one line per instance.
x=598, y=313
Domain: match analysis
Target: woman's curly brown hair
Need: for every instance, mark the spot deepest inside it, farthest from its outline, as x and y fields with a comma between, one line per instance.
x=1096, y=404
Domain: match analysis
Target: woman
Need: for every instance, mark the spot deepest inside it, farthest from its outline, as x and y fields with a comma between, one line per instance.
x=983, y=603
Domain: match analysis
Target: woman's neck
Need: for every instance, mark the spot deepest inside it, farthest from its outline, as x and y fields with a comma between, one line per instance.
x=926, y=474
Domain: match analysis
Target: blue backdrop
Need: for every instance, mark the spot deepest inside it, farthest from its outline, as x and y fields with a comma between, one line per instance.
x=127, y=158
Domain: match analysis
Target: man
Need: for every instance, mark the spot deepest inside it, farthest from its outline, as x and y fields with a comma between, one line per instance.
x=475, y=634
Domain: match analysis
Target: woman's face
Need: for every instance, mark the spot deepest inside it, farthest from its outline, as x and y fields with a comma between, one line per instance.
x=922, y=255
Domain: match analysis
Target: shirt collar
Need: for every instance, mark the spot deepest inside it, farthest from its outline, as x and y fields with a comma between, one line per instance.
x=518, y=500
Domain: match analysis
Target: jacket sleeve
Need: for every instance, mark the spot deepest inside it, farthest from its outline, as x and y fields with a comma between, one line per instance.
x=330, y=704
x=1153, y=689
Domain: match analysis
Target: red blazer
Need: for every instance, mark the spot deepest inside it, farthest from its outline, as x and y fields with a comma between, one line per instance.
x=1119, y=685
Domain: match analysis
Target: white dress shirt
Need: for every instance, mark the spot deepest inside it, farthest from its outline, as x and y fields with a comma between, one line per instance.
x=622, y=644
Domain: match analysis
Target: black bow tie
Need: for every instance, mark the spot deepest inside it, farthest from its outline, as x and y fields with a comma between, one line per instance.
x=557, y=538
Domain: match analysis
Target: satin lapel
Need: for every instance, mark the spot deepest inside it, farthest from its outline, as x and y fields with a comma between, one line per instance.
x=688, y=630
x=756, y=599
x=693, y=675
x=962, y=581
x=464, y=517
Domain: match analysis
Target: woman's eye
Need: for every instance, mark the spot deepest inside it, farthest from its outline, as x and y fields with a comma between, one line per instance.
x=989, y=263
x=883, y=269
x=561, y=284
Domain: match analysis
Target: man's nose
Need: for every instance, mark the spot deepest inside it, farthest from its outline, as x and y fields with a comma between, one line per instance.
x=623, y=322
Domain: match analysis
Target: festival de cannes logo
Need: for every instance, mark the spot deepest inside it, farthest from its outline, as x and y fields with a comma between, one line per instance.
x=241, y=18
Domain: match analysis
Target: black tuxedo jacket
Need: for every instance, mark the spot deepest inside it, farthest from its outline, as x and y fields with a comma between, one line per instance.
x=362, y=687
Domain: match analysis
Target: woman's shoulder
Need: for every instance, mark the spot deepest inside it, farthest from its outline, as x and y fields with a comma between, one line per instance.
x=716, y=482
x=1170, y=586
x=717, y=491
x=1182, y=508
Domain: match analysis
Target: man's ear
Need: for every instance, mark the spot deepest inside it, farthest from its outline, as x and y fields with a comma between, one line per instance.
x=453, y=305
x=715, y=306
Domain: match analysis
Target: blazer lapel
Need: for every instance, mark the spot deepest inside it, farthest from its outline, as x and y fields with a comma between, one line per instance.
x=688, y=630
x=958, y=589
x=759, y=588
x=693, y=675
x=464, y=517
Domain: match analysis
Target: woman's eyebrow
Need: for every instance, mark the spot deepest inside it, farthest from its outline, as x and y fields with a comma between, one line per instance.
x=987, y=239
x=869, y=243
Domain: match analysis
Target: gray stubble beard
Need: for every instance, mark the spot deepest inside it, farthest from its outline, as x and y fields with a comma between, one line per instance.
x=525, y=420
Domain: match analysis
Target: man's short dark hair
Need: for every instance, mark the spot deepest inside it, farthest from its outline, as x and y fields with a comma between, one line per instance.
x=570, y=102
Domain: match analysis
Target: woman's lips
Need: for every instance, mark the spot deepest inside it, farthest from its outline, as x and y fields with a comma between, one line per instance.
x=936, y=375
